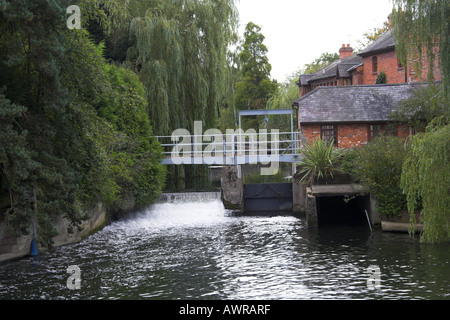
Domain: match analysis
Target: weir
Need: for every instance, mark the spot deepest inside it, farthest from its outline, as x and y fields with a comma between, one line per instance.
x=189, y=196
x=234, y=153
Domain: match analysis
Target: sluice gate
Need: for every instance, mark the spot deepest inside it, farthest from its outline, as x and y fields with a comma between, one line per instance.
x=270, y=198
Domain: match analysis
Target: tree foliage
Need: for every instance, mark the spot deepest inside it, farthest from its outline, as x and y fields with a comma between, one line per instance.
x=371, y=35
x=255, y=87
x=378, y=167
x=426, y=179
x=283, y=97
x=324, y=60
x=426, y=103
x=75, y=130
x=381, y=78
x=422, y=33
x=180, y=54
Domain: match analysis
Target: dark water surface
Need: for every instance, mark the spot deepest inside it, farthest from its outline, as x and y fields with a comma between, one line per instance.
x=199, y=251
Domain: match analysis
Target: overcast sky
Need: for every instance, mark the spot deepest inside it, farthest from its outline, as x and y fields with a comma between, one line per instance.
x=299, y=31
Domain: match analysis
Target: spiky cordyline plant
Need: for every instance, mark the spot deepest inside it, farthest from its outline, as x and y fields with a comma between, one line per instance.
x=319, y=161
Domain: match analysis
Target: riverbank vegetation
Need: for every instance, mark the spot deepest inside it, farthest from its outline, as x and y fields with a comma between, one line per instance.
x=79, y=109
x=403, y=175
x=418, y=27
x=75, y=129
x=319, y=162
x=378, y=167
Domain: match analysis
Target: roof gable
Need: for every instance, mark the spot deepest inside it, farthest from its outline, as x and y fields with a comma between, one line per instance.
x=338, y=68
x=385, y=42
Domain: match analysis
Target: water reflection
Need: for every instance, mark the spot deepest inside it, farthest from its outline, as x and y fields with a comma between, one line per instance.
x=198, y=251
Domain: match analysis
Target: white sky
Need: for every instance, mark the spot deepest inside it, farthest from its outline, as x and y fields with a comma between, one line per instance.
x=299, y=31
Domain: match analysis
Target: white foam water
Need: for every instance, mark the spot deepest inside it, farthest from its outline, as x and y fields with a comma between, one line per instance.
x=180, y=210
x=189, y=196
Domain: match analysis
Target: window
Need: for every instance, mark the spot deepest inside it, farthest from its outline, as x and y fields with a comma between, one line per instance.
x=375, y=64
x=329, y=132
x=376, y=130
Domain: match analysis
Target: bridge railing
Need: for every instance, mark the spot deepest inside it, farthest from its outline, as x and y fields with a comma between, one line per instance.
x=236, y=144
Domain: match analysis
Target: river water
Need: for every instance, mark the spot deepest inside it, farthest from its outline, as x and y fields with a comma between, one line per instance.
x=198, y=250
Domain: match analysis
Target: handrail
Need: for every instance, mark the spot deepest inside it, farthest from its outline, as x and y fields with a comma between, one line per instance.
x=236, y=146
x=235, y=134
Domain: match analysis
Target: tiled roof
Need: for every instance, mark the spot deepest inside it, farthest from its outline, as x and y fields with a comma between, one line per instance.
x=337, y=68
x=384, y=43
x=351, y=103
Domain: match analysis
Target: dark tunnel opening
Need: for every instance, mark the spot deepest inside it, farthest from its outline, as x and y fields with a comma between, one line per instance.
x=335, y=211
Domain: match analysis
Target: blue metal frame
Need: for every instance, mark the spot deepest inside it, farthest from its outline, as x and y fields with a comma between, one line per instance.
x=269, y=112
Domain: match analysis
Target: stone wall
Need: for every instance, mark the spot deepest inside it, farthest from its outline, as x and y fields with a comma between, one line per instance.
x=17, y=247
x=232, y=188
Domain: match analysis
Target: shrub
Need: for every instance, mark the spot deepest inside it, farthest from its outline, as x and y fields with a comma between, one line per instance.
x=378, y=167
x=381, y=78
x=320, y=160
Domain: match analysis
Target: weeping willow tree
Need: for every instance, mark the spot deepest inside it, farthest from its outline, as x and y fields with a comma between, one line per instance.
x=422, y=31
x=426, y=180
x=180, y=53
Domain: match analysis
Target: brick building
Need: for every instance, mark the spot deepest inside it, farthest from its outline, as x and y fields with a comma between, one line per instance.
x=342, y=101
x=381, y=56
x=334, y=74
x=351, y=115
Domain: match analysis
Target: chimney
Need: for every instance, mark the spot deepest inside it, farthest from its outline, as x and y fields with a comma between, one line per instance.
x=345, y=51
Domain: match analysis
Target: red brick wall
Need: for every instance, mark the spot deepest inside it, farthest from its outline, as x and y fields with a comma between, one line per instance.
x=311, y=132
x=425, y=67
x=349, y=135
x=352, y=135
x=388, y=63
x=358, y=76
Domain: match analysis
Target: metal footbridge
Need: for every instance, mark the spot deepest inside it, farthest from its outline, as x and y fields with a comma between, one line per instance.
x=235, y=147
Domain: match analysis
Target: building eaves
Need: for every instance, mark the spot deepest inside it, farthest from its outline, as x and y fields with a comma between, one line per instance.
x=385, y=42
x=334, y=69
x=355, y=67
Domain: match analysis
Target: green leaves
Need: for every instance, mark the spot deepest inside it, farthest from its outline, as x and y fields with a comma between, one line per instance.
x=426, y=103
x=422, y=34
x=381, y=78
x=255, y=64
x=320, y=161
x=180, y=55
x=378, y=166
x=324, y=60
x=255, y=87
x=426, y=179
x=74, y=130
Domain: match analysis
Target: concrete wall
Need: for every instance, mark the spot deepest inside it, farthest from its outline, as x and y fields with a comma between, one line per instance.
x=336, y=190
x=232, y=188
x=16, y=247
x=311, y=209
x=299, y=198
